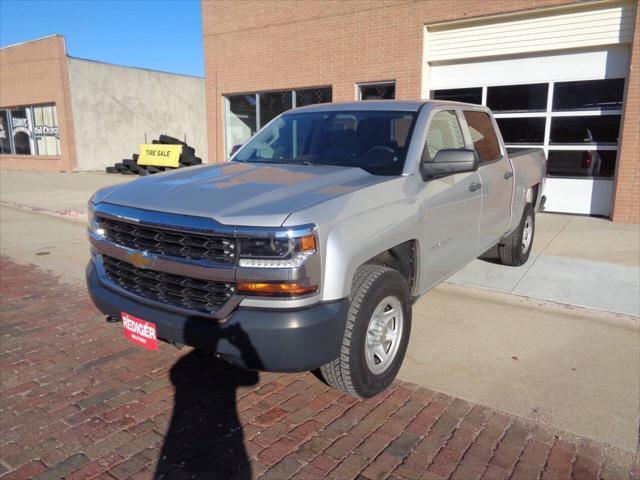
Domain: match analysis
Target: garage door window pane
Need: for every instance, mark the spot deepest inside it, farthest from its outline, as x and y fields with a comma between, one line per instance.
x=240, y=121
x=311, y=96
x=522, y=130
x=467, y=95
x=483, y=135
x=586, y=163
x=444, y=133
x=587, y=95
x=5, y=143
x=518, y=98
x=588, y=129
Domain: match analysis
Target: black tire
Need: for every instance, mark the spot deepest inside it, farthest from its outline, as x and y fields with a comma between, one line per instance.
x=129, y=162
x=189, y=151
x=350, y=373
x=512, y=248
x=112, y=170
x=152, y=169
x=168, y=140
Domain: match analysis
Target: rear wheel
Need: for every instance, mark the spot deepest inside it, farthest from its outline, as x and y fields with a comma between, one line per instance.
x=376, y=335
x=516, y=247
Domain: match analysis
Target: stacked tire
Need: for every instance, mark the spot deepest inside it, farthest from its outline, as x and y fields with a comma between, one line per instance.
x=129, y=166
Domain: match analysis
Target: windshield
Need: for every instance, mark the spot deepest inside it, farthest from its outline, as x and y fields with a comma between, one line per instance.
x=376, y=141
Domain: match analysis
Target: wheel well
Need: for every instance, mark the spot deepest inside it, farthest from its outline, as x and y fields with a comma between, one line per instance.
x=401, y=258
x=532, y=194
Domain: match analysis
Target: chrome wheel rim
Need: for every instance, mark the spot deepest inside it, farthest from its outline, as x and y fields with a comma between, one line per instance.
x=527, y=233
x=384, y=334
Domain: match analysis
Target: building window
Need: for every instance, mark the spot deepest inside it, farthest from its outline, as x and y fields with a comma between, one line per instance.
x=247, y=113
x=29, y=130
x=377, y=91
x=576, y=123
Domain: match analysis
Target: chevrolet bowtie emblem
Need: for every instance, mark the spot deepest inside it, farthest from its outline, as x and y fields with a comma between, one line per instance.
x=139, y=259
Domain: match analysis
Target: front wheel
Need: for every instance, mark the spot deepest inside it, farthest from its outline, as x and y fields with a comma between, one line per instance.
x=516, y=247
x=376, y=335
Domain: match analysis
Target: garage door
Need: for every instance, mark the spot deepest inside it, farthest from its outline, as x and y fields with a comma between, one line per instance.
x=555, y=80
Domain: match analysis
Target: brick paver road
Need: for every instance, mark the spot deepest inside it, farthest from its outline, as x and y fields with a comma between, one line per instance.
x=78, y=401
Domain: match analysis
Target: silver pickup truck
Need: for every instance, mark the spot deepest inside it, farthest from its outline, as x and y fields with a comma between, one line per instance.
x=309, y=247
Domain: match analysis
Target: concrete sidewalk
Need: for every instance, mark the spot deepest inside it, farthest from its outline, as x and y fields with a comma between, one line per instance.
x=582, y=261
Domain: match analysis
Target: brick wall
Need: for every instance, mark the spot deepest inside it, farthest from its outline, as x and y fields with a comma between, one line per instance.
x=32, y=73
x=251, y=46
x=626, y=204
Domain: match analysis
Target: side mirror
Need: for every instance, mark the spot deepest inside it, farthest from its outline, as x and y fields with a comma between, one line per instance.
x=234, y=149
x=449, y=162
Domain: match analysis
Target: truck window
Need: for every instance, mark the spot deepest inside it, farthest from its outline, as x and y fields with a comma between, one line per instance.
x=444, y=132
x=483, y=135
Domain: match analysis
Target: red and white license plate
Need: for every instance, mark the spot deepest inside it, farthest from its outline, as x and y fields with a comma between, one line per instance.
x=140, y=331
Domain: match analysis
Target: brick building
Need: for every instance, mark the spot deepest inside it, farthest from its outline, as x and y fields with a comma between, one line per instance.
x=61, y=113
x=559, y=74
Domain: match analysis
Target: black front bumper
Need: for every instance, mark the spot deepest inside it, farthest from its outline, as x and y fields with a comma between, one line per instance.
x=284, y=340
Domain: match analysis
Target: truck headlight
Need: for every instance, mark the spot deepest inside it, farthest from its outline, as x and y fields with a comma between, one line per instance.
x=276, y=252
x=281, y=263
x=92, y=223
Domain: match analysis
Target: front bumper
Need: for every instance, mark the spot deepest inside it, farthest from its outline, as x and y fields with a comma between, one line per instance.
x=279, y=340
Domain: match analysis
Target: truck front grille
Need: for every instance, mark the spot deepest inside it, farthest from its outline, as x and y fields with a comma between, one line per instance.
x=194, y=246
x=185, y=292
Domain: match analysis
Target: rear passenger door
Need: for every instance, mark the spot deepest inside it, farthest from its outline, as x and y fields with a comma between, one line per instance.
x=496, y=176
x=451, y=203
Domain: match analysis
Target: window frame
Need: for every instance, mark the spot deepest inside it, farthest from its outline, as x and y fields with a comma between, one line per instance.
x=292, y=92
x=29, y=116
x=549, y=114
x=382, y=83
x=457, y=113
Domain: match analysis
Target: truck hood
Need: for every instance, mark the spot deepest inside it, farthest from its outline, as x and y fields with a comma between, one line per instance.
x=239, y=193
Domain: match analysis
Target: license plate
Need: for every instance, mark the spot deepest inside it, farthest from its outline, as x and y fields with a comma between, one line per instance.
x=140, y=331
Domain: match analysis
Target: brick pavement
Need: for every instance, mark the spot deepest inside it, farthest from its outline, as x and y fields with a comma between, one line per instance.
x=78, y=401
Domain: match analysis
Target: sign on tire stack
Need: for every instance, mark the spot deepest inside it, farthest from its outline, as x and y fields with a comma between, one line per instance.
x=165, y=153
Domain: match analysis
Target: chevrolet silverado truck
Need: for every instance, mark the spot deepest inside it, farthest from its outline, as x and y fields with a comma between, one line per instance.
x=307, y=250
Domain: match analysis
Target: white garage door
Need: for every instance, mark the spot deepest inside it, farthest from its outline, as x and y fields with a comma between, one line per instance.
x=555, y=80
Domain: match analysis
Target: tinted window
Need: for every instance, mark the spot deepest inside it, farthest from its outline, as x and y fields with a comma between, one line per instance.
x=518, y=98
x=383, y=91
x=590, y=163
x=586, y=129
x=522, y=130
x=444, y=133
x=467, y=95
x=273, y=104
x=604, y=94
x=483, y=135
x=311, y=96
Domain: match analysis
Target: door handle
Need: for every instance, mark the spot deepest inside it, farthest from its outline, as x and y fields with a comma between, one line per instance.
x=475, y=186
x=508, y=174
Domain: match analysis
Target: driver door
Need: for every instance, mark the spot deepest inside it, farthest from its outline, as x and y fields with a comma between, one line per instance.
x=451, y=204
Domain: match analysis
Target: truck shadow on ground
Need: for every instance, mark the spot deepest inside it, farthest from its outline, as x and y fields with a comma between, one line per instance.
x=205, y=437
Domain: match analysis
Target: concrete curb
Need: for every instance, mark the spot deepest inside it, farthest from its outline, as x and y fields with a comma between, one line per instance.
x=73, y=215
